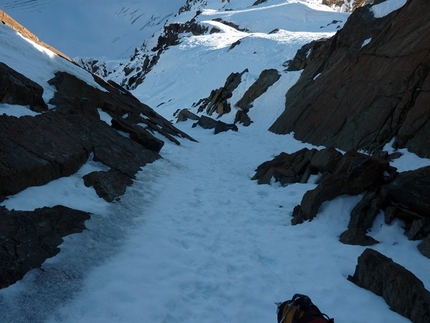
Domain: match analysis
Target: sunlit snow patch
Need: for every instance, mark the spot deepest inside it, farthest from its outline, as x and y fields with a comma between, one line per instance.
x=385, y=8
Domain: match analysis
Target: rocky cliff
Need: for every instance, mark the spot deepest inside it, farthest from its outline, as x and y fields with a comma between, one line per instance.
x=62, y=136
x=367, y=85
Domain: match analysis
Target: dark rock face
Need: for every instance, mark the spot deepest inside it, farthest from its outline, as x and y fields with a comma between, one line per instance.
x=424, y=247
x=16, y=88
x=61, y=142
x=27, y=239
x=327, y=106
x=217, y=100
x=185, y=114
x=56, y=143
x=287, y=168
x=218, y=126
x=357, y=237
x=362, y=217
x=411, y=189
x=349, y=6
x=355, y=174
x=401, y=289
x=266, y=79
x=108, y=185
x=256, y=3
x=401, y=196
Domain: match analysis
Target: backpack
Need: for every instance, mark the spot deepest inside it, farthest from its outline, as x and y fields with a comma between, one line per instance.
x=300, y=309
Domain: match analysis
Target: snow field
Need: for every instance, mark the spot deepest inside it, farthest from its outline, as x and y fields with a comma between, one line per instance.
x=211, y=245
x=194, y=239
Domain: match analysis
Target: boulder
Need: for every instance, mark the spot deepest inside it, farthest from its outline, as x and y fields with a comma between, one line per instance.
x=357, y=237
x=206, y=122
x=362, y=217
x=401, y=289
x=355, y=174
x=223, y=127
x=287, y=168
x=256, y=3
x=396, y=212
x=186, y=114
x=108, y=185
x=386, y=58
x=115, y=100
x=243, y=118
x=27, y=239
x=218, y=126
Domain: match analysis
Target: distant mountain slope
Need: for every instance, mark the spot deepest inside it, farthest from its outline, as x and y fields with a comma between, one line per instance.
x=96, y=28
x=198, y=49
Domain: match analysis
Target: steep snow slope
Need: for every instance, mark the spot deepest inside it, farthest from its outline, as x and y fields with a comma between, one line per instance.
x=194, y=239
x=96, y=28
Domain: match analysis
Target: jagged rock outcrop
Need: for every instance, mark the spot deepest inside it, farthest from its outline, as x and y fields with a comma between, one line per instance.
x=287, y=168
x=401, y=289
x=411, y=188
x=356, y=173
x=27, y=239
x=63, y=139
x=400, y=196
x=184, y=115
x=205, y=122
x=366, y=85
x=266, y=79
x=217, y=100
x=218, y=126
x=256, y=3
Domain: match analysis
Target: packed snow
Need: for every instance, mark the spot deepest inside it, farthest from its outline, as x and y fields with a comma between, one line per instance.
x=194, y=239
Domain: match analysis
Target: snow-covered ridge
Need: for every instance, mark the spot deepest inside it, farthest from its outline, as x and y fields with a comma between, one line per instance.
x=97, y=28
x=36, y=61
